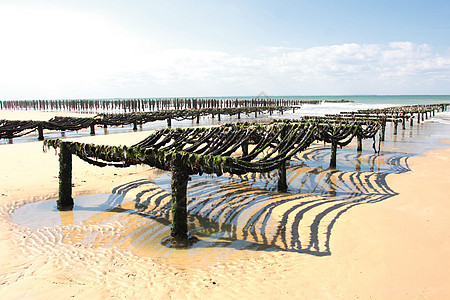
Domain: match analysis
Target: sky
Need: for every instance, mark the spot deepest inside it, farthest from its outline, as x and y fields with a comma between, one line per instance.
x=65, y=49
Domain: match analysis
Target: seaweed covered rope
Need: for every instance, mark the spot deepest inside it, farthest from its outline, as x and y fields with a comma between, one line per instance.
x=215, y=150
x=340, y=132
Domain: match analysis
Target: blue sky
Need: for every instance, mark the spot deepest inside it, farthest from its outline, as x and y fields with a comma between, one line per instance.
x=174, y=48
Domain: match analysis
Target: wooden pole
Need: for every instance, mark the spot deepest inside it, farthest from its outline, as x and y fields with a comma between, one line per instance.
x=282, y=184
x=383, y=129
x=40, y=132
x=359, y=146
x=179, y=183
x=65, y=201
x=333, y=154
x=244, y=148
x=134, y=125
x=92, y=128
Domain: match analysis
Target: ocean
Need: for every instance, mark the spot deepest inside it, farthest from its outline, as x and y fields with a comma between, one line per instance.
x=359, y=102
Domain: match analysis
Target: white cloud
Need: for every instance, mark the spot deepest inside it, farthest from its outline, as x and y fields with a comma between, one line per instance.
x=60, y=53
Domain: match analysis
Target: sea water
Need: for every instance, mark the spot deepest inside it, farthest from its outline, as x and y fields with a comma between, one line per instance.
x=359, y=102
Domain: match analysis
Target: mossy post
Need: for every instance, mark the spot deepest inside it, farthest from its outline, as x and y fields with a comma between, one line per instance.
x=282, y=182
x=244, y=148
x=359, y=146
x=40, y=132
x=333, y=154
x=65, y=201
x=179, y=183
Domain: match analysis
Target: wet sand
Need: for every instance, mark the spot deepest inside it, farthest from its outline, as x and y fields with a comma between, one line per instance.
x=395, y=248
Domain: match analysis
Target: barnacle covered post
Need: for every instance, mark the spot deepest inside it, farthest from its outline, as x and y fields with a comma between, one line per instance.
x=244, y=148
x=383, y=129
x=65, y=201
x=395, y=126
x=359, y=146
x=180, y=178
x=333, y=153
x=40, y=132
x=282, y=184
x=92, y=126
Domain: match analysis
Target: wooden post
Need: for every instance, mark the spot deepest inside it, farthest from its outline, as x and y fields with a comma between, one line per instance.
x=218, y=116
x=333, y=154
x=244, y=149
x=383, y=129
x=359, y=146
x=411, y=118
x=179, y=183
x=169, y=122
x=395, y=126
x=134, y=125
x=40, y=132
x=404, y=123
x=282, y=185
x=198, y=118
x=418, y=117
x=65, y=201
x=92, y=128
x=239, y=115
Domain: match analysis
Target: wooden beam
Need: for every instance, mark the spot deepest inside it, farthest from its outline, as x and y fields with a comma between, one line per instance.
x=65, y=201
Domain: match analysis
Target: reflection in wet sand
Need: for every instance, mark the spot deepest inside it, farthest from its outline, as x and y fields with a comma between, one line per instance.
x=233, y=216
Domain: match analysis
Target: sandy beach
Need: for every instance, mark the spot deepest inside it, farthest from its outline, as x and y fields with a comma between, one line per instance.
x=398, y=248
